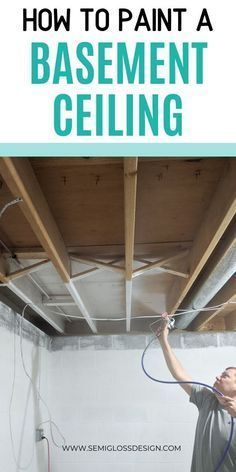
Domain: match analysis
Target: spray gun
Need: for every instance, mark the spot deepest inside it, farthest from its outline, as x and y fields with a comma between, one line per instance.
x=164, y=318
x=171, y=323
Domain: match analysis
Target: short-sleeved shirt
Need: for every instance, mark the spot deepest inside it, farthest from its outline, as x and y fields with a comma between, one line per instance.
x=212, y=434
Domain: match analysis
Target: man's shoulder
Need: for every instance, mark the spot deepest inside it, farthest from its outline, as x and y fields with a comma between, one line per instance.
x=200, y=395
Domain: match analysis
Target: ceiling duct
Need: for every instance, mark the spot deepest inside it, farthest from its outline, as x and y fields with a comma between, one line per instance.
x=220, y=269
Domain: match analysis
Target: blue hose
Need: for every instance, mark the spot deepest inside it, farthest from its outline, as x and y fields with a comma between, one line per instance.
x=192, y=383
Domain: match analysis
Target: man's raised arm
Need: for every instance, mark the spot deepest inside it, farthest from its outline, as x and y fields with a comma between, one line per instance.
x=173, y=364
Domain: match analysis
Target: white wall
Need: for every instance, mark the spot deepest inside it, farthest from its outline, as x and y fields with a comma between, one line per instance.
x=98, y=395
x=25, y=412
x=102, y=397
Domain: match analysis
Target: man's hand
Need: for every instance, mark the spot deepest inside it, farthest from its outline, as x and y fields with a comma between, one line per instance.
x=228, y=403
x=162, y=330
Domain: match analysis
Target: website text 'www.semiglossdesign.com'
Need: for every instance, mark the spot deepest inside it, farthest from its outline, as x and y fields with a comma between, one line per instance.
x=121, y=448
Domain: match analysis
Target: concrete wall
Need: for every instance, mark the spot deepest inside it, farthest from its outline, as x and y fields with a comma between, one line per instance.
x=99, y=396
x=19, y=403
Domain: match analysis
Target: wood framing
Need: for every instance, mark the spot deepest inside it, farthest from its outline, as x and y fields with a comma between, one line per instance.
x=26, y=270
x=153, y=250
x=128, y=303
x=20, y=178
x=130, y=191
x=97, y=263
x=3, y=270
x=230, y=320
x=59, y=300
x=161, y=265
x=87, y=273
x=216, y=219
x=84, y=274
x=25, y=290
x=79, y=302
x=102, y=228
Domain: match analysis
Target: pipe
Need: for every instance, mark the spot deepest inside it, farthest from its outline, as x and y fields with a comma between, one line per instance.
x=220, y=269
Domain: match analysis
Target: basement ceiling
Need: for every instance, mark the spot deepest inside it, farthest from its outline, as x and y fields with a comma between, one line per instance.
x=104, y=245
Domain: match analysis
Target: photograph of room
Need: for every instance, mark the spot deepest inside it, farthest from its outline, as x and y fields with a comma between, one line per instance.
x=101, y=258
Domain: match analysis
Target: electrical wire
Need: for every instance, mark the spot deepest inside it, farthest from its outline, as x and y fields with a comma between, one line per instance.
x=48, y=448
x=28, y=464
x=180, y=312
x=68, y=316
x=12, y=202
x=19, y=264
x=37, y=390
x=157, y=317
x=215, y=390
x=19, y=466
x=55, y=426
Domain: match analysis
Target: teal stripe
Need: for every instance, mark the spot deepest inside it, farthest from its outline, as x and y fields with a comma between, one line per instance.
x=108, y=149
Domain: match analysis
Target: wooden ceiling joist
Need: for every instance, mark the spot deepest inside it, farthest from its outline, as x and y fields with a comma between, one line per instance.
x=218, y=216
x=22, y=182
x=128, y=303
x=130, y=191
x=153, y=250
x=3, y=270
x=80, y=304
x=230, y=320
x=226, y=295
x=59, y=300
x=26, y=290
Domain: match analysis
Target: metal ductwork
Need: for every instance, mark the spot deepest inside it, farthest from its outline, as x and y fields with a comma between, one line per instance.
x=220, y=269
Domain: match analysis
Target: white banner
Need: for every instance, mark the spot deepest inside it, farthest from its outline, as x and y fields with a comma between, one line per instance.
x=96, y=72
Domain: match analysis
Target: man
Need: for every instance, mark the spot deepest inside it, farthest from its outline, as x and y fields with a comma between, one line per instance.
x=214, y=421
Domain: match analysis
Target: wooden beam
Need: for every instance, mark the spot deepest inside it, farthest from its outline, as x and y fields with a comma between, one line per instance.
x=59, y=300
x=97, y=263
x=219, y=214
x=22, y=182
x=87, y=273
x=226, y=295
x=26, y=270
x=72, y=162
x=230, y=320
x=128, y=301
x=161, y=265
x=3, y=270
x=25, y=290
x=148, y=250
x=26, y=252
x=79, y=302
x=41, y=162
x=130, y=191
x=68, y=162
x=84, y=274
x=217, y=324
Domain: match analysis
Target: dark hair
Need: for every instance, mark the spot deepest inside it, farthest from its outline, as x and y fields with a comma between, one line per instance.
x=227, y=368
